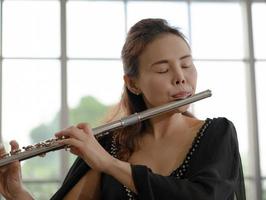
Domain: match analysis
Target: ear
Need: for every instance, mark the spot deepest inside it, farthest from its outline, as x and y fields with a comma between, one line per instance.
x=131, y=84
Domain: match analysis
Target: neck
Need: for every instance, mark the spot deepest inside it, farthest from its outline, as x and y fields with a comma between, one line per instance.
x=167, y=124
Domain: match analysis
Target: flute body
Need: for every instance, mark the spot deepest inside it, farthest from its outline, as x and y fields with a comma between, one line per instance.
x=53, y=144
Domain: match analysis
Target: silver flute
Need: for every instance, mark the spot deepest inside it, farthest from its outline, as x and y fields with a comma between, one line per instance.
x=53, y=144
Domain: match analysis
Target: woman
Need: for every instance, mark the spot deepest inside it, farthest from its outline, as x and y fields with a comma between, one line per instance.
x=173, y=156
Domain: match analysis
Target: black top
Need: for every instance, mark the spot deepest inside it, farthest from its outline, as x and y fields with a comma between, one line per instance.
x=212, y=170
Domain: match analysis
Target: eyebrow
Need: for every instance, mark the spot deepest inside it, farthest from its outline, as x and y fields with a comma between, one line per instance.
x=159, y=62
x=166, y=61
x=185, y=56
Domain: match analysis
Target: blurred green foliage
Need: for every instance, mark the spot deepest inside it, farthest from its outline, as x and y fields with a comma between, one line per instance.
x=88, y=110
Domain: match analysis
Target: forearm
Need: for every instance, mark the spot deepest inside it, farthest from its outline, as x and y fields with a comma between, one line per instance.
x=121, y=171
x=24, y=195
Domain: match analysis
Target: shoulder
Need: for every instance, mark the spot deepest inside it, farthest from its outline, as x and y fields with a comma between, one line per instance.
x=221, y=132
x=222, y=123
x=218, y=150
x=222, y=126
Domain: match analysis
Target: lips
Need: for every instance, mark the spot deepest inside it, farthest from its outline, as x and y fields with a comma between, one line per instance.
x=181, y=95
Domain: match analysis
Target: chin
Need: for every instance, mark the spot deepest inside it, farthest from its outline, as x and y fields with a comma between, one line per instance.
x=183, y=109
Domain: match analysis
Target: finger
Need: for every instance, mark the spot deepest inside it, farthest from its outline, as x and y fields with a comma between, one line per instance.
x=73, y=144
x=70, y=142
x=2, y=150
x=14, y=145
x=86, y=127
x=75, y=151
x=11, y=166
x=68, y=132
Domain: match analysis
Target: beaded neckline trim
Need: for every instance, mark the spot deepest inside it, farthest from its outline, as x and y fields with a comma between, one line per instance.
x=182, y=169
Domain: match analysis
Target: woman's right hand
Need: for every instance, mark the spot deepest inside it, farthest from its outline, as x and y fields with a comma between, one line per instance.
x=11, y=186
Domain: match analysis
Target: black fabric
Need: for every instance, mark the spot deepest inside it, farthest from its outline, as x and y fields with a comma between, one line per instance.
x=77, y=170
x=213, y=173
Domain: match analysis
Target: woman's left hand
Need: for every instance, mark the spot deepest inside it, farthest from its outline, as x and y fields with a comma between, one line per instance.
x=82, y=142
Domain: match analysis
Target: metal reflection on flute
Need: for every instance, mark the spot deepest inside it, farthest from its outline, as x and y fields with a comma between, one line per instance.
x=53, y=144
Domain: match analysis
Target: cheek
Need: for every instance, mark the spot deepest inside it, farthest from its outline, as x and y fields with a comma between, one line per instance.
x=150, y=88
x=195, y=79
x=196, y=75
x=192, y=77
x=157, y=84
x=154, y=91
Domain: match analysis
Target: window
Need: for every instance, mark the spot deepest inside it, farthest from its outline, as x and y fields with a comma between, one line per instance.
x=49, y=58
x=259, y=12
x=95, y=29
x=39, y=31
x=31, y=84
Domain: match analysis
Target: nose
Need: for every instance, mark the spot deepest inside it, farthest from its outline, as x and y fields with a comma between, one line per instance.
x=179, y=77
x=181, y=81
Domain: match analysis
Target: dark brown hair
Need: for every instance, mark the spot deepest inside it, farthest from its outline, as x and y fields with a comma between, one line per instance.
x=138, y=37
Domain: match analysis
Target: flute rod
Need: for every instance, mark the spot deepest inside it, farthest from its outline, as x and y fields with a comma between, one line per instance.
x=150, y=113
x=53, y=144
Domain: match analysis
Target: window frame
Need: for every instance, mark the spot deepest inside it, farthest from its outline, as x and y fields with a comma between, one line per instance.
x=251, y=78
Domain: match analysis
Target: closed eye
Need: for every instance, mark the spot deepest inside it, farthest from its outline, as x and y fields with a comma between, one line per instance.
x=161, y=66
x=186, y=66
x=162, y=71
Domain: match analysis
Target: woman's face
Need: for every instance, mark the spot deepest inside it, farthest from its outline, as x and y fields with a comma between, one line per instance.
x=166, y=71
